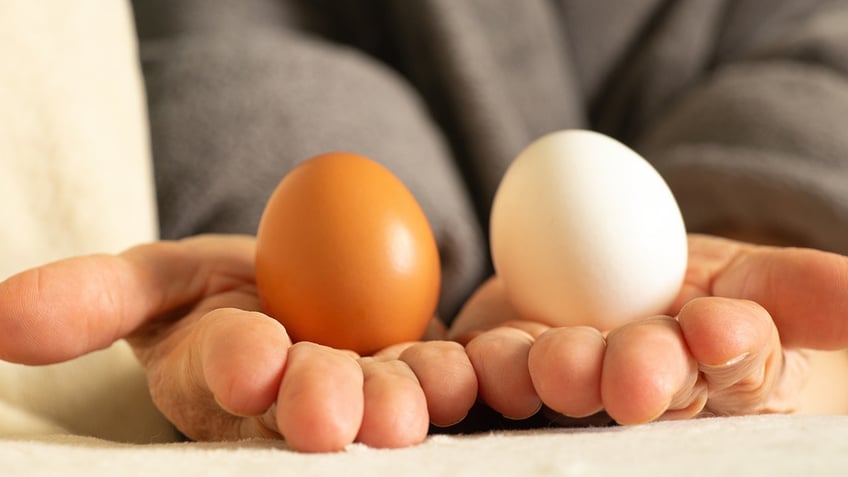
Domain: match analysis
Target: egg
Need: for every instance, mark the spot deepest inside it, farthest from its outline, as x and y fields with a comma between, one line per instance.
x=584, y=231
x=345, y=256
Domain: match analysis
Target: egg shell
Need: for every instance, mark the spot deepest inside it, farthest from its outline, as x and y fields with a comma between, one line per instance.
x=584, y=231
x=346, y=257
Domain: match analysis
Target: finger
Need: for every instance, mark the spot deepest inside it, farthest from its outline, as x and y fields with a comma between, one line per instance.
x=805, y=291
x=722, y=332
x=565, y=366
x=152, y=339
x=320, y=404
x=242, y=356
x=738, y=350
x=487, y=308
x=708, y=257
x=71, y=307
x=648, y=372
x=395, y=413
x=436, y=330
x=446, y=377
x=206, y=377
x=499, y=358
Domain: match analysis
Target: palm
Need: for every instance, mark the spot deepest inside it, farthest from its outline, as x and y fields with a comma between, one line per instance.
x=767, y=384
x=218, y=368
x=177, y=343
x=736, y=341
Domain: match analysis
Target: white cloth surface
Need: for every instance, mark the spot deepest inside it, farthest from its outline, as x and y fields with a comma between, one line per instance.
x=75, y=178
x=740, y=446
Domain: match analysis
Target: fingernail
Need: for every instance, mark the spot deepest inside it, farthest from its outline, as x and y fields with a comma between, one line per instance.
x=737, y=359
x=732, y=361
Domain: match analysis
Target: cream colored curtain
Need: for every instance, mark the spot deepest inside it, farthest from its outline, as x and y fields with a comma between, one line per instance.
x=75, y=178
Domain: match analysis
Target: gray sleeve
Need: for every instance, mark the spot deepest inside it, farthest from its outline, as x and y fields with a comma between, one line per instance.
x=760, y=140
x=237, y=98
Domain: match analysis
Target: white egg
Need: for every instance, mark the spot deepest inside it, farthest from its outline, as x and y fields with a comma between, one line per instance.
x=584, y=231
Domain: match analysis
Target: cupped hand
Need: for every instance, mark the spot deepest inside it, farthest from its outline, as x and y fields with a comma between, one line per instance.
x=218, y=367
x=737, y=340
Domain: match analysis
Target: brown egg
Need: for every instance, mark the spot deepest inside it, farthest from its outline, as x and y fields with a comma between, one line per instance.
x=345, y=256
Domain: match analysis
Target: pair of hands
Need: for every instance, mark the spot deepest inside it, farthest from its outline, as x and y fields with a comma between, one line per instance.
x=736, y=341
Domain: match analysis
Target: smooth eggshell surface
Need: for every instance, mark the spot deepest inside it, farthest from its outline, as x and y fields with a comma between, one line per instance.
x=584, y=231
x=345, y=256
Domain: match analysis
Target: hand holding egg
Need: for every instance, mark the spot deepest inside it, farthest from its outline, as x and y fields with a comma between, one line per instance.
x=345, y=256
x=585, y=232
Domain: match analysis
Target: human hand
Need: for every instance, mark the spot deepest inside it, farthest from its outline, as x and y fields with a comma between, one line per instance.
x=217, y=367
x=737, y=340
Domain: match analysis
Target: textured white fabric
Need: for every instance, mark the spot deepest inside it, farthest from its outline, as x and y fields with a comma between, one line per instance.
x=743, y=446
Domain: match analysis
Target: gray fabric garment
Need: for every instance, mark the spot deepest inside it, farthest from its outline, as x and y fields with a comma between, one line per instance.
x=740, y=104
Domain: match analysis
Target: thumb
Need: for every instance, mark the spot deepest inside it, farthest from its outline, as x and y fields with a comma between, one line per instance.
x=804, y=290
x=71, y=307
x=62, y=310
